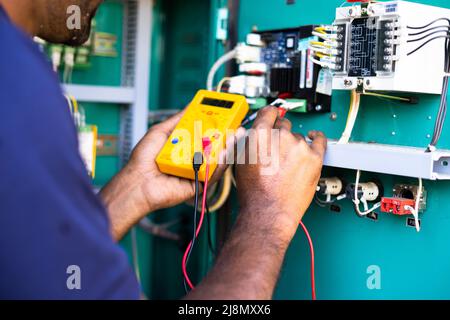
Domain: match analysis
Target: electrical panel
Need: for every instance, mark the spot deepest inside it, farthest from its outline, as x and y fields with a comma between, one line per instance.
x=380, y=47
x=284, y=70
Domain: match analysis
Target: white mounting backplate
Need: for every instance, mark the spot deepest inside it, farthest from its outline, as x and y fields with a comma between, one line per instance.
x=421, y=72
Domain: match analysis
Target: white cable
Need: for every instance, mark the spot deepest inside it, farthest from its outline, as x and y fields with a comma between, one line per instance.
x=356, y=198
x=357, y=201
x=416, y=209
x=356, y=98
x=323, y=50
x=325, y=36
x=415, y=214
x=319, y=49
x=322, y=64
x=419, y=195
x=216, y=66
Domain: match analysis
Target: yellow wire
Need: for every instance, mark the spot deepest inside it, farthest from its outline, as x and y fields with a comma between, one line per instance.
x=322, y=55
x=320, y=29
x=319, y=43
x=221, y=83
x=386, y=96
x=225, y=191
x=352, y=103
x=74, y=103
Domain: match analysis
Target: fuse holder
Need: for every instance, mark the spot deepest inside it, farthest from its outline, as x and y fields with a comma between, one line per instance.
x=397, y=205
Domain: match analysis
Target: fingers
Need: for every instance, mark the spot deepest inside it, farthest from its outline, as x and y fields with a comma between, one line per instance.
x=169, y=125
x=299, y=136
x=227, y=155
x=319, y=142
x=283, y=123
x=266, y=118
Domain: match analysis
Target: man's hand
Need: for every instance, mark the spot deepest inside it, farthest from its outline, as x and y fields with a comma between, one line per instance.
x=141, y=188
x=272, y=205
x=277, y=199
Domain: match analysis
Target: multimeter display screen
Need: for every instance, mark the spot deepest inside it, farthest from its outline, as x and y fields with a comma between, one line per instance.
x=217, y=103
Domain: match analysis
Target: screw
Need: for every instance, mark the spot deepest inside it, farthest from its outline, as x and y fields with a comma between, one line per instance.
x=347, y=82
x=429, y=118
x=394, y=116
x=333, y=116
x=393, y=133
x=300, y=126
x=428, y=136
x=318, y=107
x=350, y=12
x=368, y=82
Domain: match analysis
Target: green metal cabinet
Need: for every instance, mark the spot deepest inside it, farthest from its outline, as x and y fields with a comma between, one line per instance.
x=412, y=265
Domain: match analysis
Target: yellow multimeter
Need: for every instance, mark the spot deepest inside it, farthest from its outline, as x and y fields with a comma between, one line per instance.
x=210, y=115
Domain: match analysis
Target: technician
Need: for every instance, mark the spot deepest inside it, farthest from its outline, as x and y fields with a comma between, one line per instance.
x=52, y=223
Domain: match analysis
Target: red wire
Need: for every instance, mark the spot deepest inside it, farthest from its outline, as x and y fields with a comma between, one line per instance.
x=311, y=249
x=202, y=216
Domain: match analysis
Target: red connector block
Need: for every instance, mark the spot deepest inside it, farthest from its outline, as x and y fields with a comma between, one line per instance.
x=397, y=205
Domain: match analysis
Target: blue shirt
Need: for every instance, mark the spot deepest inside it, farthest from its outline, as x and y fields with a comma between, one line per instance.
x=54, y=231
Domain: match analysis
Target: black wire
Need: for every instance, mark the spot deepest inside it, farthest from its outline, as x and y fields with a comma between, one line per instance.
x=425, y=26
x=210, y=242
x=442, y=113
x=430, y=34
x=430, y=29
x=197, y=187
x=426, y=42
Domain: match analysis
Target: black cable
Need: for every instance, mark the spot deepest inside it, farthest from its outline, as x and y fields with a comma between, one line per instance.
x=430, y=34
x=426, y=42
x=430, y=29
x=197, y=163
x=425, y=26
x=442, y=113
x=210, y=242
x=197, y=185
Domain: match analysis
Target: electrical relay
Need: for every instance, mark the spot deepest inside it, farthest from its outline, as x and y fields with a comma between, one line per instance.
x=385, y=46
x=284, y=70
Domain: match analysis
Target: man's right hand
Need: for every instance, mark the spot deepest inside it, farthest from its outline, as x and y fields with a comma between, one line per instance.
x=272, y=205
x=274, y=201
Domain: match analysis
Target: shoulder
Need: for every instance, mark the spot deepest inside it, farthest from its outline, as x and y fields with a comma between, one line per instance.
x=31, y=96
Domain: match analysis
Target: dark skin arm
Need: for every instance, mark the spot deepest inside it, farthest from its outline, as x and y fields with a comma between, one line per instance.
x=272, y=204
x=140, y=188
